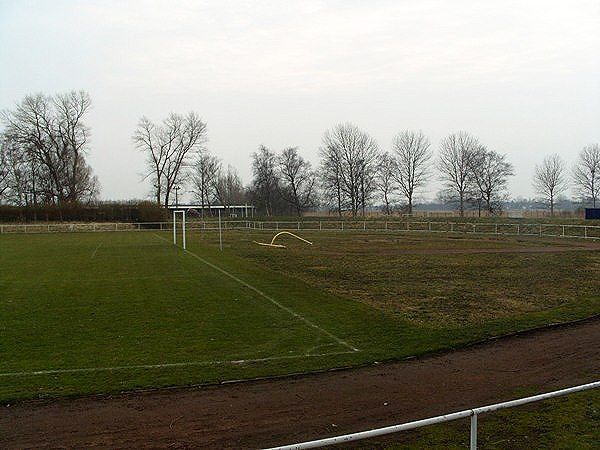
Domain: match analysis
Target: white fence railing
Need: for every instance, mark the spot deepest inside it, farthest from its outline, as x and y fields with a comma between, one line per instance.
x=517, y=229
x=513, y=229
x=84, y=227
x=472, y=413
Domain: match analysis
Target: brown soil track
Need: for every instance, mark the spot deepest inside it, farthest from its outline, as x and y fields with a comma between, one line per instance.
x=274, y=412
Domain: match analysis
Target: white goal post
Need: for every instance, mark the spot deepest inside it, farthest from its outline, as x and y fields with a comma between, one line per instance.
x=182, y=212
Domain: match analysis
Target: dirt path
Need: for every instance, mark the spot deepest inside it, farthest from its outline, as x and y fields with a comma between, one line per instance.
x=262, y=413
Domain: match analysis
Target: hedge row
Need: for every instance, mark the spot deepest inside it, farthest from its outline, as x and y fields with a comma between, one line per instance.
x=102, y=212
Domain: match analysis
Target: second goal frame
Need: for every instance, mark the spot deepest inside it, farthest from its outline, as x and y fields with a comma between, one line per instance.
x=182, y=212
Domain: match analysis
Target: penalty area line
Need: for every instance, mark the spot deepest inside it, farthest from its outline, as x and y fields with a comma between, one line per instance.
x=276, y=303
x=270, y=299
x=166, y=365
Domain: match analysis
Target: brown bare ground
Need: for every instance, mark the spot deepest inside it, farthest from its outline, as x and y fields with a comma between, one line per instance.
x=262, y=413
x=561, y=246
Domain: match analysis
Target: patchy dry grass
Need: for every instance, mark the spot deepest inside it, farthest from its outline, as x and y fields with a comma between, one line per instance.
x=104, y=312
x=440, y=280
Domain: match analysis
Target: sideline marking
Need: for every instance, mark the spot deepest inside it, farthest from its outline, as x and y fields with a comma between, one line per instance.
x=167, y=365
x=270, y=299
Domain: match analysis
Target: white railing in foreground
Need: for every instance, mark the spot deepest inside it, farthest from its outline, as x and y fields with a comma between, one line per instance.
x=473, y=413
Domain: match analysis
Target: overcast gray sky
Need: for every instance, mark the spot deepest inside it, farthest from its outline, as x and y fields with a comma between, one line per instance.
x=522, y=76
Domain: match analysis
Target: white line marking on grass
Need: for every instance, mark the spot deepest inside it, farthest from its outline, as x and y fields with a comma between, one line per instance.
x=270, y=299
x=275, y=302
x=166, y=365
x=160, y=237
x=96, y=249
x=318, y=347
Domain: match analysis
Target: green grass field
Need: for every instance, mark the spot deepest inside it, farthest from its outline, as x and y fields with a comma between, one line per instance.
x=105, y=312
x=565, y=423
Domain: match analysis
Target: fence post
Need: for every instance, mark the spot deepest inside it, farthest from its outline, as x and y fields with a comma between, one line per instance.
x=320, y=226
x=473, y=432
x=342, y=222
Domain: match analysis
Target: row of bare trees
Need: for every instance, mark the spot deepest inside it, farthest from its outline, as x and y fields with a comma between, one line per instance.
x=177, y=155
x=349, y=160
x=43, y=149
x=552, y=178
x=473, y=174
x=170, y=147
x=213, y=184
x=353, y=172
x=44, y=144
x=282, y=182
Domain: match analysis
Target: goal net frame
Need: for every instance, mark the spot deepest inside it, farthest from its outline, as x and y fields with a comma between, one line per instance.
x=182, y=212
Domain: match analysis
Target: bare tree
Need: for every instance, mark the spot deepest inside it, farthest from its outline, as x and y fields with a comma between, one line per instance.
x=147, y=139
x=490, y=172
x=205, y=171
x=4, y=168
x=586, y=174
x=385, y=180
x=412, y=156
x=550, y=179
x=455, y=156
x=228, y=187
x=349, y=160
x=52, y=139
x=16, y=169
x=169, y=148
x=297, y=180
x=367, y=173
x=330, y=175
x=265, y=181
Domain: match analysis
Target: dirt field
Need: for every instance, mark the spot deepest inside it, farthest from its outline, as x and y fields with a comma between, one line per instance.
x=275, y=412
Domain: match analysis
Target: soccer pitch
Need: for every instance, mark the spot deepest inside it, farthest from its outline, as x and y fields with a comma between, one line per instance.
x=131, y=308
x=106, y=312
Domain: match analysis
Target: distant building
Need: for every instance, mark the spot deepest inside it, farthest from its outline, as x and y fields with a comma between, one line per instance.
x=233, y=211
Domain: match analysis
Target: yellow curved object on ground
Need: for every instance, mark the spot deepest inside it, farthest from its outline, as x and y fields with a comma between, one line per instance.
x=273, y=244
